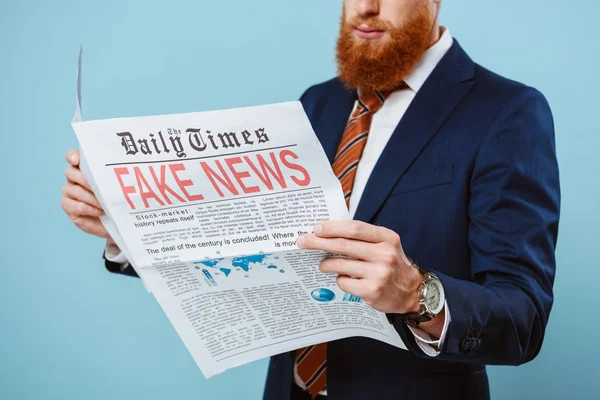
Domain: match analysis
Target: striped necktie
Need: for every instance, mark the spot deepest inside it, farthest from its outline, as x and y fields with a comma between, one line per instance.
x=311, y=362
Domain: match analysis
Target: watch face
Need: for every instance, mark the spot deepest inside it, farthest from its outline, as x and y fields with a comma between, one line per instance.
x=434, y=297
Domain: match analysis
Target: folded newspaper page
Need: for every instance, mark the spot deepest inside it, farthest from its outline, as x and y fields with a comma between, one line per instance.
x=207, y=207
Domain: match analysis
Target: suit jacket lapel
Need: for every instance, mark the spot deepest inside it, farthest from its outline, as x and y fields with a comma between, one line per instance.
x=334, y=116
x=450, y=81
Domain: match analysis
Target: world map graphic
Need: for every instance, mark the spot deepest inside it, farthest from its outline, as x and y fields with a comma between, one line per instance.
x=244, y=263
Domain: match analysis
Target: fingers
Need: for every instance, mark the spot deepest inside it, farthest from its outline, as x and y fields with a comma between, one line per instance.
x=344, y=266
x=346, y=247
x=74, y=175
x=80, y=204
x=91, y=225
x=77, y=209
x=353, y=286
x=73, y=157
x=356, y=230
x=78, y=193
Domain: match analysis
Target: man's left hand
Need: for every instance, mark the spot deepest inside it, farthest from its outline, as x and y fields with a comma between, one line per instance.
x=377, y=270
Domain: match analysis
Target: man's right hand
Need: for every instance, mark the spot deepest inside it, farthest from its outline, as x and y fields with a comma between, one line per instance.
x=79, y=202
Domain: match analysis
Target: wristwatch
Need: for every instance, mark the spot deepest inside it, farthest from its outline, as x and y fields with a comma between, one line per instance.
x=431, y=299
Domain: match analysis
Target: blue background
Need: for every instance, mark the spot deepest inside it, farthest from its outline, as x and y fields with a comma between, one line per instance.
x=70, y=330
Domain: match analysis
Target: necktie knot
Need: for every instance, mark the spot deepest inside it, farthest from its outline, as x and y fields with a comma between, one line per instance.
x=372, y=100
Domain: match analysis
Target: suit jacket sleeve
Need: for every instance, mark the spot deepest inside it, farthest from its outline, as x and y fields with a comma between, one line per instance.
x=119, y=269
x=500, y=315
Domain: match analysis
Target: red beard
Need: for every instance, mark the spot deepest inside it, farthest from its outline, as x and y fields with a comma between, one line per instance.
x=384, y=63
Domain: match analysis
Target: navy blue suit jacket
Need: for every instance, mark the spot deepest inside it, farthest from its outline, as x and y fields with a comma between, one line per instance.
x=469, y=180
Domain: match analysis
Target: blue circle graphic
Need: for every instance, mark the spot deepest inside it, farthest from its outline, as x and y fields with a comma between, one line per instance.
x=322, y=294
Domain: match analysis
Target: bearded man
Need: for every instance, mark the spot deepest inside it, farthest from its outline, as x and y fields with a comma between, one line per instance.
x=442, y=162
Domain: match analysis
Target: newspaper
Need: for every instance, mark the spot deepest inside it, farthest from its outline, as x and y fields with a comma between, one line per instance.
x=207, y=208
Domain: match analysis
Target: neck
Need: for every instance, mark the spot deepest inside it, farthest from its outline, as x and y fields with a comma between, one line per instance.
x=436, y=32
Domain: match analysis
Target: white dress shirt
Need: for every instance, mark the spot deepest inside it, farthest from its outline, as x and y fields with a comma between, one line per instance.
x=382, y=126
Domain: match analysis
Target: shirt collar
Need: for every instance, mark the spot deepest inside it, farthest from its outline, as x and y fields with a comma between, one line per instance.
x=429, y=61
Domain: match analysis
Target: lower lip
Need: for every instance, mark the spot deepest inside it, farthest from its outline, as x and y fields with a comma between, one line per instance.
x=368, y=35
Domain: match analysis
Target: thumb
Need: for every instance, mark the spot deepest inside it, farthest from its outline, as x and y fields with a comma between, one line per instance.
x=73, y=157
